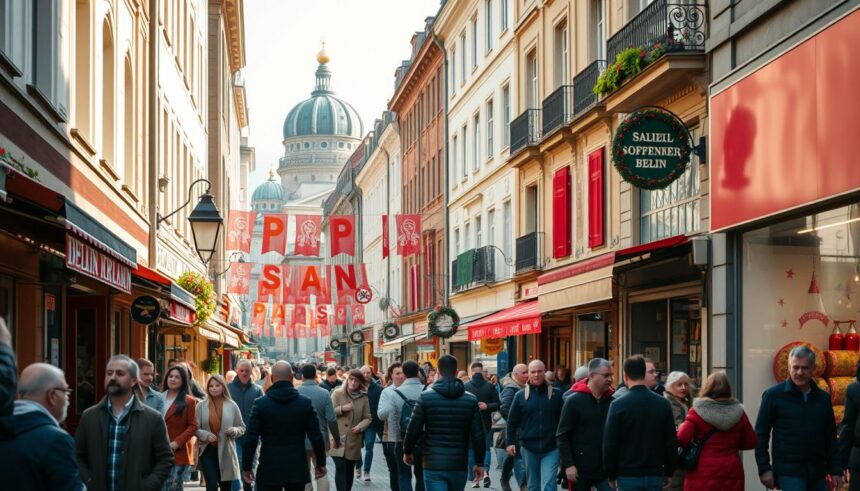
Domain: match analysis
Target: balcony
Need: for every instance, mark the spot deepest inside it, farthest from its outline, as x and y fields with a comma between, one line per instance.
x=525, y=130
x=557, y=110
x=473, y=268
x=527, y=253
x=676, y=26
x=583, y=86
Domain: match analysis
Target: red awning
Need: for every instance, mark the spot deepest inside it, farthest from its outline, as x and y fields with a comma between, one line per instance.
x=653, y=246
x=514, y=321
x=151, y=275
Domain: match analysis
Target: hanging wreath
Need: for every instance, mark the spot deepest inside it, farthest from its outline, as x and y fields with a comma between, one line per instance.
x=334, y=344
x=443, y=322
x=356, y=337
x=203, y=292
x=390, y=331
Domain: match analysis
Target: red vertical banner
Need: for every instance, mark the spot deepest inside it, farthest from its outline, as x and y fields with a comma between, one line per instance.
x=311, y=283
x=345, y=280
x=240, y=228
x=408, y=234
x=320, y=320
x=414, y=274
x=279, y=315
x=258, y=319
x=270, y=283
x=595, y=198
x=342, y=231
x=358, y=315
x=301, y=331
x=291, y=332
x=274, y=233
x=301, y=314
x=340, y=311
x=561, y=236
x=240, y=278
x=307, y=235
x=385, y=246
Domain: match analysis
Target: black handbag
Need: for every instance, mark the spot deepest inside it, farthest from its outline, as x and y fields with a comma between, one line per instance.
x=688, y=458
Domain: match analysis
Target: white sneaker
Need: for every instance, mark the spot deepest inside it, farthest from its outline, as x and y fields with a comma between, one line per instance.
x=358, y=473
x=366, y=477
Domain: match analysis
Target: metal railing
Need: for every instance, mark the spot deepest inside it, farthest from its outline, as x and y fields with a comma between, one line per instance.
x=527, y=252
x=525, y=130
x=483, y=270
x=557, y=109
x=583, y=86
x=675, y=26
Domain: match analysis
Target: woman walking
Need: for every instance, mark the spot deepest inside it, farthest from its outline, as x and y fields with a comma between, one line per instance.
x=678, y=394
x=219, y=423
x=353, y=416
x=180, y=416
x=718, y=419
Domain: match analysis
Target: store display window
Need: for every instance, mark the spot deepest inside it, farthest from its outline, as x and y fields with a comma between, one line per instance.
x=668, y=331
x=592, y=333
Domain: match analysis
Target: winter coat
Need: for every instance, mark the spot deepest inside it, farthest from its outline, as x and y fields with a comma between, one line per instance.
x=849, y=437
x=359, y=416
x=804, y=433
x=639, y=438
x=146, y=458
x=446, y=419
x=390, y=404
x=533, y=418
x=510, y=387
x=37, y=453
x=280, y=421
x=720, y=465
x=580, y=431
x=374, y=391
x=231, y=417
x=321, y=399
x=244, y=396
x=330, y=387
x=679, y=413
x=8, y=379
x=181, y=429
x=485, y=392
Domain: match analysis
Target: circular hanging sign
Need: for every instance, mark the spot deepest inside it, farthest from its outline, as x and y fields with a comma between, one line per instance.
x=145, y=309
x=390, y=331
x=363, y=295
x=356, y=337
x=443, y=322
x=651, y=148
x=492, y=346
x=334, y=344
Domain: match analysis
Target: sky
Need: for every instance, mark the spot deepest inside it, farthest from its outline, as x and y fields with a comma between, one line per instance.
x=365, y=39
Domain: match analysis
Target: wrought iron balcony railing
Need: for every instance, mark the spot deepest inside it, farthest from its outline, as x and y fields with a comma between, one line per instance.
x=583, y=86
x=527, y=252
x=525, y=130
x=557, y=109
x=482, y=269
x=675, y=26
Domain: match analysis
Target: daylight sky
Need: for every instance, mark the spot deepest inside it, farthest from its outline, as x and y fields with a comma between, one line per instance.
x=366, y=40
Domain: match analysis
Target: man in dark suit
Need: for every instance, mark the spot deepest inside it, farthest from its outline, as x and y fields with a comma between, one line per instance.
x=283, y=463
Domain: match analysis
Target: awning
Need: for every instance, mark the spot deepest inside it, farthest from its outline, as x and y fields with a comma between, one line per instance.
x=651, y=246
x=88, y=228
x=514, y=321
x=578, y=284
x=396, y=343
x=209, y=333
x=462, y=334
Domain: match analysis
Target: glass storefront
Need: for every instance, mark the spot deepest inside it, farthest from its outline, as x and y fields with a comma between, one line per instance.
x=593, y=331
x=669, y=332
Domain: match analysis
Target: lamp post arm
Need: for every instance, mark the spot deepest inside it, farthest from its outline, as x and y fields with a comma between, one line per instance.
x=509, y=261
x=190, y=187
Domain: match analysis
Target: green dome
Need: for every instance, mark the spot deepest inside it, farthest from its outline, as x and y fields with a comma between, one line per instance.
x=323, y=113
x=270, y=190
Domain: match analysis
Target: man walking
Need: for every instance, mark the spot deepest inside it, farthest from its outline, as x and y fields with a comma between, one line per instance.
x=392, y=404
x=37, y=453
x=532, y=423
x=389, y=440
x=332, y=379
x=244, y=392
x=280, y=421
x=652, y=381
x=640, y=446
x=374, y=391
x=511, y=384
x=800, y=417
x=488, y=403
x=151, y=397
x=445, y=420
x=321, y=400
x=121, y=443
x=580, y=429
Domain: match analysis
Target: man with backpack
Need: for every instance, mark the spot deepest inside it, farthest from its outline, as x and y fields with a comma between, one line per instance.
x=395, y=406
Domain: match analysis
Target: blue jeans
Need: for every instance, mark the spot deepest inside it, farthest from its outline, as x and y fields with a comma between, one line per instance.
x=791, y=483
x=648, y=483
x=404, y=472
x=585, y=484
x=444, y=480
x=240, y=483
x=488, y=445
x=542, y=469
x=174, y=482
x=369, y=440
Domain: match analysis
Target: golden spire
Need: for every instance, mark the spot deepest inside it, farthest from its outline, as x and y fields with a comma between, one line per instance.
x=322, y=56
x=271, y=174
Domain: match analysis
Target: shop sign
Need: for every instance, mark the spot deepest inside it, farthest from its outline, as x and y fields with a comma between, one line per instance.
x=181, y=313
x=145, y=309
x=89, y=261
x=651, y=148
x=492, y=346
x=425, y=345
x=170, y=263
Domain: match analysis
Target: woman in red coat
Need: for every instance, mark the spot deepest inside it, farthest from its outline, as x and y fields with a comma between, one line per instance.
x=719, y=464
x=180, y=416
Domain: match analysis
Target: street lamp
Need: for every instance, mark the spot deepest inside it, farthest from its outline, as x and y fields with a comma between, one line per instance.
x=205, y=220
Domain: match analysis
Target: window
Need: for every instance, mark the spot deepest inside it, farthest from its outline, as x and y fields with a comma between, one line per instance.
x=453, y=71
x=307, y=145
x=324, y=145
x=478, y=232
x=476, y=143
x=130, y=178
x=475, y=41
x=507, y=230
x=597, y=48
x=107, y=102
x=490, y=129
x=488, y=24
x=532, y=80
x=455, y=156
x=50, y=62
x=465, y=165
x=506, y=115
x=462, y=58
x=467, y=236
x=673, y=210
x=339, y=144
x=504, y=15
x=491, y=227
x=457, y=241
x=83, y=67
x=561, y=69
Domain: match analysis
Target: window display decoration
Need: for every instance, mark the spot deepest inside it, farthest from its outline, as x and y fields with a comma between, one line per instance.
x=814, y=304
x=390, y=331
x=356, y=337
x=443, y=322
x=204, y=294
x=211, y=364
x=780, y=361
x=841, y=363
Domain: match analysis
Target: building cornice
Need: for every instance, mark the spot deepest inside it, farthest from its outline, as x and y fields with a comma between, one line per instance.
x=419, y=65
x=234, y=16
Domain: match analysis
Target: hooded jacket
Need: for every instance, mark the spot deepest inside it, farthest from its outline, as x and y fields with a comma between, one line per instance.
x=719, y=465
x=580, y=431
x=485, y=392
x=37, y=453
x=280, y=421
x=533, y=418
x=510, y=387
x=445, y=420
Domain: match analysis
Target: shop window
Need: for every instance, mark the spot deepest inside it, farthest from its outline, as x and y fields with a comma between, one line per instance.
x=592, y=333
x=669, y=333
x=85, y=349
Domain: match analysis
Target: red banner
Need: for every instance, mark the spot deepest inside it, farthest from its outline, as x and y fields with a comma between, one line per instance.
x=301, y=314
x=270, y=283
x=340, y=311
x=408, y=234
x=342, y=231
x=274, y=233
x=358, y=315
x=301, y=331
x=385, y=246
x=290, y=332
x=240, y=278
x=307, y=235
x=258, y=320
x=279, y=314
x=311, y=283
x=240, y=226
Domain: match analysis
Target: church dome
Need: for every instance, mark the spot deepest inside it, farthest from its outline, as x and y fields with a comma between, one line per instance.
x=270, y=190
x=323, y=113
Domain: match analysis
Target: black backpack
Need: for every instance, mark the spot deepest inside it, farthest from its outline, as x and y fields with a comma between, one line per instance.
x=405, y=413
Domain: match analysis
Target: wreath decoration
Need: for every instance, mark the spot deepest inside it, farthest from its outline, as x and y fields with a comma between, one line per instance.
x=390, y=331
x=334, y=344
x=203, y=292
x=356, y=337
x=433, y=319
x=679, y=131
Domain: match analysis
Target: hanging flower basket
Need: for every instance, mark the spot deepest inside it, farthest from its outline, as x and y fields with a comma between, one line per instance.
x=211, y=365
x=443, y=322
x=390, y=331
x=203, y=292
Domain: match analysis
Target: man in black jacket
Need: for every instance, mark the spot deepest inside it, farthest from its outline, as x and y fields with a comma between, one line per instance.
x=511, y=384
x=640, y=446
x=374, y=391
x=488, y=403
x=280, y=421
x=332, y=381
x=800, y=416
x=444, y=422
x=580, y=430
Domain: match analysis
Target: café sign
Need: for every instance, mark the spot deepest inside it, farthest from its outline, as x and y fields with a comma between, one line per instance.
x=87, y=260
x=651, y=148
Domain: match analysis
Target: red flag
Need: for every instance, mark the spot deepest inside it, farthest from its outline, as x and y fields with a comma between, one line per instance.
x=291, y=332
x=279, y=316
x=408, y=234
x=358, y=315
x=342, y=231
x=385, y=249
x=258, y=321
x=345, y=280
x=325, y=330
x=321, y=316
x=274, y=233
x=240, y=278
x=340, y=314
x=270, y=282
x=307, y=235
x=301, y=314
x=311, y=283
x=301, y=331
x=240, y=226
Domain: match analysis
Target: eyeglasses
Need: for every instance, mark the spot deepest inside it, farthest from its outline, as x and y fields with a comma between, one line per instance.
x=607, y=374
x=67, y=390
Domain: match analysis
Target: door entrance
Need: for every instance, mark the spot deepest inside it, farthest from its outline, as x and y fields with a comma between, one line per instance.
x=86, y=348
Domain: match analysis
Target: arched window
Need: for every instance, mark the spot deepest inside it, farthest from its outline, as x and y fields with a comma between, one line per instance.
x=108, y=120
x=131, y=179
x=307, y=145
x=324, y=145
x=83, y=66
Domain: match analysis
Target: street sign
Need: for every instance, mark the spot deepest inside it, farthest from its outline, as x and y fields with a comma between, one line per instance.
x=145, y=309
x=363, y=295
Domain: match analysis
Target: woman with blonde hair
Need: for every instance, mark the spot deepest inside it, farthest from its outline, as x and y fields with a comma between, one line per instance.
x=718, y=422
x=219, y=423
x=353, y=417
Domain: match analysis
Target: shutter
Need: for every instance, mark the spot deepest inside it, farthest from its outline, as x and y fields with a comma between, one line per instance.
x=595, y=199
x=561, y=239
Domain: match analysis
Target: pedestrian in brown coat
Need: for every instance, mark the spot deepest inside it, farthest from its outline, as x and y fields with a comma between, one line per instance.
x=353, y=417
x=181, y=418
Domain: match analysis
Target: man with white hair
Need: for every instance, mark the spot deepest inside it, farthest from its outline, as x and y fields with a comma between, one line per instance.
x=37, y=453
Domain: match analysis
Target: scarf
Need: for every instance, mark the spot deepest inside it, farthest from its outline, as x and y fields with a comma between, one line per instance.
x=216, y=406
